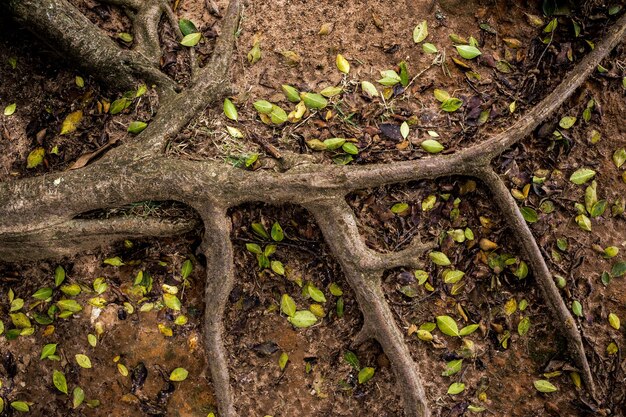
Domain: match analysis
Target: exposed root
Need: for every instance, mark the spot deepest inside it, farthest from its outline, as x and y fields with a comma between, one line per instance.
x=81, y=235
x=138, y=171
x=74, y=36
x=220, y=280
x=566, y=323
x=146, y=30
x=336, y=221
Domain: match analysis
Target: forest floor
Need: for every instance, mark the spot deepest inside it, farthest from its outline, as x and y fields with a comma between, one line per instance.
x=139, y=336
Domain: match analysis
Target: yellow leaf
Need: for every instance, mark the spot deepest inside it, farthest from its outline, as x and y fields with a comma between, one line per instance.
x=35, y=158
x=71, y=122
x=342, y=64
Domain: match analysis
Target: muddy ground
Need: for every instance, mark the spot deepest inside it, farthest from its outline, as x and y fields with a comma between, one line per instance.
x=500, y=366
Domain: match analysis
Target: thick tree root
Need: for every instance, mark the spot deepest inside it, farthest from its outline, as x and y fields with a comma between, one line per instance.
x=363, y=269
x=73, y=236
x=138, y=171
x=507, y=205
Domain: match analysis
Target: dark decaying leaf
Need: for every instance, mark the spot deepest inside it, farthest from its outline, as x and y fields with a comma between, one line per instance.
x=391, y=131
x=265, y=348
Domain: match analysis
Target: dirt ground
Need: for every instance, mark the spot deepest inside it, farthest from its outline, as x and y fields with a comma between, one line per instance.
x=499, y=364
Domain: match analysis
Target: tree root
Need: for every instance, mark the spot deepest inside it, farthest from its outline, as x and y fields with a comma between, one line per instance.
x=566, y=323
x=87, y=45
x=35, y=207
x=363, y=270
x=75, y=236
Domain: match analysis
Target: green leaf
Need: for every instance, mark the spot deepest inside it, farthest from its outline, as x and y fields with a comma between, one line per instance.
x=618, y=269
x=71, y=290
x=172, y=301
x=567, y=122
x=126, y=37
x=404, y=129
x=314, y=101
x=277, y=232
x=58, y=378
x=582, y=175
x=439, y=258
x=260, y=230
x=619, y=157
x=119, y=105
x=186, y=269
x=468, y=51
x=452, y=276
x=277, y=267
x=291, y=93
x=1, y=405
x=421, y=276
x=69, y=305
x=429, y=48
x=20, y=320
x=20, y=406
x=287, y=305
x=456, y=388
x=48, y=350
x=598, y=208
x=254, y=54
x=432, y=146
x=43, y=293
x=282, y=361
x=179, y=374
x=187, y=27
x=254, y=248
x=420, y=32
x=10, y=109
x=365, y=374
x=404, y=74
x=352, y=359
x=441, y=95
x=350, y=148
x=529, y=214
x=116, y=261
x=136, y=127
x=78, y=396
x=451, y=105
x=467, y=330
x=369, y=89
x=92, y=340
x=447, y=325
x=315, y=293
x=399, y=208
x=523, y=326
x=59, y=276
x=278, y=116
x=452, y=367
x=542, y=385
x=100, y=285
x=577, y=308
x=551, y=26
x=263, y=106
x=192, y=39
x=302, y=319
x=229, y=110
x=83, y=360
x=583, y=222
x=35, y=157
x=334, y=143
x=614, y=321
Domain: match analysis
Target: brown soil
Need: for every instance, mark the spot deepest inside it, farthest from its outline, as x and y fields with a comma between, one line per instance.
x=374, y=36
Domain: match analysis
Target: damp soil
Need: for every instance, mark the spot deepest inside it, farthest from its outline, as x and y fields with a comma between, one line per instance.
x=500, y=368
